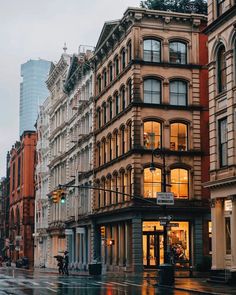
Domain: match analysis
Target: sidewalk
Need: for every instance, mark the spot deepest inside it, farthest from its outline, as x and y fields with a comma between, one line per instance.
x=196, y=285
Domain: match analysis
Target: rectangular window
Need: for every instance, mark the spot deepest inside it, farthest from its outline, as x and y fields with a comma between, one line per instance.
x=220, y=7
x=227, y=235
x=223, y=146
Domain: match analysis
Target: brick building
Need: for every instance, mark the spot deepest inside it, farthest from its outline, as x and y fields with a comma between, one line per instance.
x=21, y=217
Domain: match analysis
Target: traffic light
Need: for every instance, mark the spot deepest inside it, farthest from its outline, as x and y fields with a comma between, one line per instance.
x=59, y=196
x=55, y=197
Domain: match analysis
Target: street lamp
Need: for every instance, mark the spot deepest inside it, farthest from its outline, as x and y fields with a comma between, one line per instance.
x=167, y=270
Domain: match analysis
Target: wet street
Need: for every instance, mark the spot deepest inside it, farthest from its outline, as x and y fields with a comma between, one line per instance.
x=19, y=282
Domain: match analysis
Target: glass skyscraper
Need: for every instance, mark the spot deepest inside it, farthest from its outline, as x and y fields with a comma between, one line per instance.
x=33, y=91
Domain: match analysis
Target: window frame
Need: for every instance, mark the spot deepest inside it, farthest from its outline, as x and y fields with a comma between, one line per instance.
x=185, y=55
x=159, y=136
x=223, y=146
x=178, y=183
x=151, y=51
x=178, y=137
x=221, y=70
x=151, y=91
x=152, y=183
x=178, y=94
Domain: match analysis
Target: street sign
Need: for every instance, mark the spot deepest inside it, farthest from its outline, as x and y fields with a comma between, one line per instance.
x=165, y=218
x=165, y=199
x=163, y=223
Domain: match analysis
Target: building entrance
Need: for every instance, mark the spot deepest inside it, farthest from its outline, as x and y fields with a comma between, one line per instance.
x=153, y=249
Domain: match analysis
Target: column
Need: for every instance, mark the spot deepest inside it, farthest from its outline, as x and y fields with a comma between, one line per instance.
x=218, y=239
x=128, y=245
x=233, y=235
x=121, y=240
x=137, y=244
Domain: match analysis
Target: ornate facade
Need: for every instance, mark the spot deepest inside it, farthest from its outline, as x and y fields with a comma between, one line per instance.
x=222, y=92
x=150, y=92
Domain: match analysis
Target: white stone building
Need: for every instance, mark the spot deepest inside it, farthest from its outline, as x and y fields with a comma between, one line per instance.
x=222, y=127
x=42, y=187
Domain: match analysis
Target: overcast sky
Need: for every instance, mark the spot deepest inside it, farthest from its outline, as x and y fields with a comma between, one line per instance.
x=32, y=29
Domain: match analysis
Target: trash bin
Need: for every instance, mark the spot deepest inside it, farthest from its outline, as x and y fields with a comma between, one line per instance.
x=166, y=274
x=95, y=269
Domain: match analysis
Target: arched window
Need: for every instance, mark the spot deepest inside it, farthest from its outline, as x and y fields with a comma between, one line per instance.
x=99, y=83
x=221, y=66
x=110, y=67
x=110, y=147
x=129, y=47
x=110, y=108
x=122, y=96
x=129, y=181
x=109, y=195
x=178, y=93
x=152, y=91
x=99, y=118
x=116, y=62
x=104, y=151
x=104, y=78
x=178, y=137
x=123, y=56
x=152, y=182
x=129, y=94
x=122, y=140
x=180, y=183
x=104, y=110
x=99, y=154
x=122, y=186
x=178, y=52
x=152, y=50
x=117, y=103
x=129, y=136
x=152, y=135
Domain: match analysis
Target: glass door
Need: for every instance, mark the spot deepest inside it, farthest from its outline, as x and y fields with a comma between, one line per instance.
x=153, y=250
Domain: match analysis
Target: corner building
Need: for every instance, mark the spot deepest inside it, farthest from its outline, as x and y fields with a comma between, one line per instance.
x=222, y=96
x=150, y=92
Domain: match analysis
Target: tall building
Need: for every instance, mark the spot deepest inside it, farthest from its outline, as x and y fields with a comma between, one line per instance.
x=33, y=91
x=21, y=215
x=221, y=32
x=150, y=93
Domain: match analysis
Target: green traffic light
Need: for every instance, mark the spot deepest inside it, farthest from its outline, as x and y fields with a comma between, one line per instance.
x=63, y=200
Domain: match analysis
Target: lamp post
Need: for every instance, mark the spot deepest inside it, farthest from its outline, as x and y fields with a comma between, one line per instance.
x=167, y=270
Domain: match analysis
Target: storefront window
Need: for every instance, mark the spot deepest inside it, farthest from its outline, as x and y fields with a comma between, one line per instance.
x=210, y=236
x=153, y=248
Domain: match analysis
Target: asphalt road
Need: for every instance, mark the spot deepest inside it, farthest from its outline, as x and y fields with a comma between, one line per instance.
x=20, y=282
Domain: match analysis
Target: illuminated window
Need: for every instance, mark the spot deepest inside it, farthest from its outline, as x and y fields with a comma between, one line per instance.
x=152, y=91
x=152, y=135
x=178, y=137
x=179, y=183
x=152, y=50
x=152, y=182
x=178, y=52
x=221, y=67
x=178, y=93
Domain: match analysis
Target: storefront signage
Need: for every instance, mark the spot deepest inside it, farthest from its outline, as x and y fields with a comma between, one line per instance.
x=228, y=205
x=165, y=199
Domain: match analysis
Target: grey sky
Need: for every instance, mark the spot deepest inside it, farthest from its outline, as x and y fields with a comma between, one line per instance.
x=31, y=29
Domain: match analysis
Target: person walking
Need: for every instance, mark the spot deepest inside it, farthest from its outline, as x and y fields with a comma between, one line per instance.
x=66, y=262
